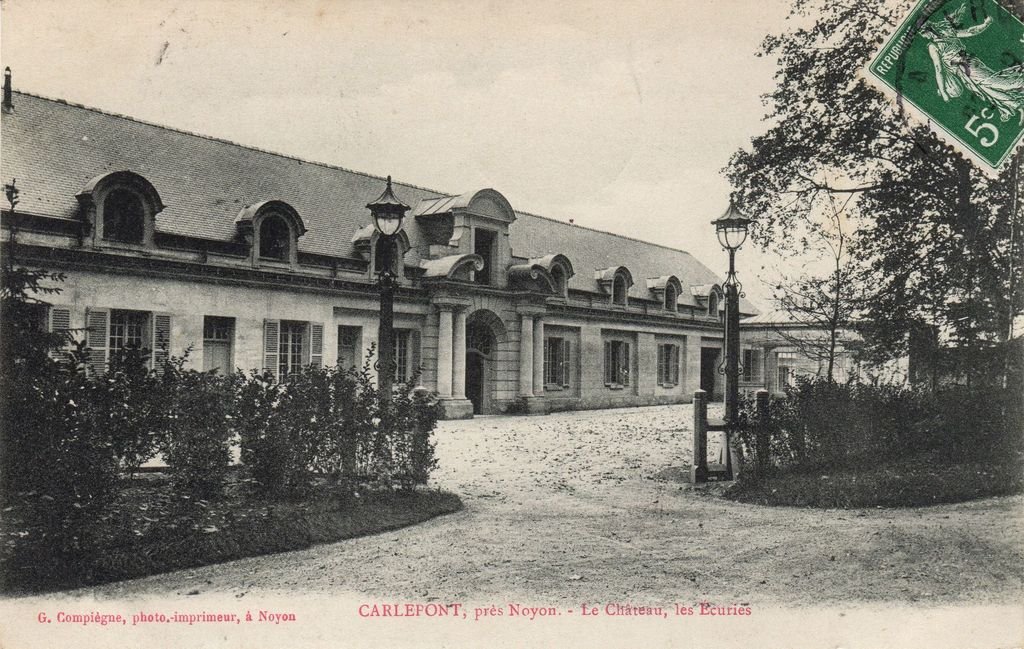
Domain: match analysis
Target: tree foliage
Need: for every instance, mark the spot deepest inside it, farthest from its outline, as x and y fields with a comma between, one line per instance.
x=933, y=243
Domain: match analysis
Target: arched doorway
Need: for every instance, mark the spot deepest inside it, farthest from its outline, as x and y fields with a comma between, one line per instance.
x=484, y=329
x=476, y=379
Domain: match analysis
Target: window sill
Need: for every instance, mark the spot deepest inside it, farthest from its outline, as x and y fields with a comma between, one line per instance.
x=550, y=387
x=615, y=386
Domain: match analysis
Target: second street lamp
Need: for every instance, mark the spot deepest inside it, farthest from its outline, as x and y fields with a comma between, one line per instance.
x=387, y=212
x=731, y=229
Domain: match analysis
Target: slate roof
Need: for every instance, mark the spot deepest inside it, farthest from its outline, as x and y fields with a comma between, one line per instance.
x=773, y=317
x=55, y=148
x=590, y=250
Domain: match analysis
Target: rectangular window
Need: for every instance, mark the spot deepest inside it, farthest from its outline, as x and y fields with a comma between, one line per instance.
x=668, y=365
x=556, y=363
x=128, y=330
x=218, y=338
x=348, y=346
x=293, y=338
x=288, y=345
x=402, y=354
x=38, y=314
x=112, y=331
x=616, y=363
x=786, y=370
x=751, y=365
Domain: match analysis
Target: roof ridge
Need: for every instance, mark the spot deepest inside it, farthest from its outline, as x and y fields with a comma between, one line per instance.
x=214, y=138
x=614, y=234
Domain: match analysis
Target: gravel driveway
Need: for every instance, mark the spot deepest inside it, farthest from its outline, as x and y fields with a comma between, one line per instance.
x=564, y=508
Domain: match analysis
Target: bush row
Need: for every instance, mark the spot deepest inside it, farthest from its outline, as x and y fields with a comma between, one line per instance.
x=821, y=423
x=70, y=439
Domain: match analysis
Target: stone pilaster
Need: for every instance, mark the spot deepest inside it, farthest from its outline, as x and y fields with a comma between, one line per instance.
x=444, y=353
x=526, y=357
x=459, y=356
x=538, y=356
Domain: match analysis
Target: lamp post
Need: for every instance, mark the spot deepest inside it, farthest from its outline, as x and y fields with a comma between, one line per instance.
x=731, y=229
x=387, y=212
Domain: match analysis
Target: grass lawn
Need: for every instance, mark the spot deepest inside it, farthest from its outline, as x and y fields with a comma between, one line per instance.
x=927, y=478
x=149, y=530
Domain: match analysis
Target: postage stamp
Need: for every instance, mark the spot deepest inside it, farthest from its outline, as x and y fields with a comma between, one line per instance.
x=960, y=63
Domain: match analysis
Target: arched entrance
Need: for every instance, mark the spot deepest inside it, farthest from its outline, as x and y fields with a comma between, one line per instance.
x=484, y=329
x=476, y=379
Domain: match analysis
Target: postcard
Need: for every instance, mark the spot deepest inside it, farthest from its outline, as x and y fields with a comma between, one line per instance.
x=476, y=324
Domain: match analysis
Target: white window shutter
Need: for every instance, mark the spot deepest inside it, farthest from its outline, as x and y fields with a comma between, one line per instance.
x=414, y=351
x=316, y=344
x=566, y=366
x=161, y=340
x=608, y=378
x=663, y=364
x=97, y=323
x=271, y=345
x=59, y=322
x=675, y=364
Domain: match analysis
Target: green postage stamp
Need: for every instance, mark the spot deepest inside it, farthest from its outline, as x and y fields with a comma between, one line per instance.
x=961, y=64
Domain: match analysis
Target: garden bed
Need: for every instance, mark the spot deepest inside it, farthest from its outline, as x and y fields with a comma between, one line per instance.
x=928, y=478
x=149, y=530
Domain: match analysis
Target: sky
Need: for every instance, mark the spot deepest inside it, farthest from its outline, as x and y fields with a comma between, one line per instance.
x=617, y=115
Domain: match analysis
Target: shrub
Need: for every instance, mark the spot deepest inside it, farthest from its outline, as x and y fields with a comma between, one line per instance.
x=821, y=423
x=58, y=467
x=262, y=445
x=405, y=453
x=196, y=444
x=137, y=404
x=292, y=428
x=349, y=429
x=332, y=422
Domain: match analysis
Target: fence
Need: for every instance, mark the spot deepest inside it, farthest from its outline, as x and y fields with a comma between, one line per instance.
x=700, y=469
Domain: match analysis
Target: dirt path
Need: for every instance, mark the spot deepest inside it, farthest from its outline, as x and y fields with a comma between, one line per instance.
x=563, y=508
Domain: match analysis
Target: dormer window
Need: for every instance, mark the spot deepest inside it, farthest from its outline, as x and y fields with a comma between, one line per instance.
x=619, y=288
x=271, y=230
x=615, y=282
x=275, y=238
x=124, y=216
x=484, y=245
x=119, y=207
x=561, y=284
x=713, y=304
x=671, y=297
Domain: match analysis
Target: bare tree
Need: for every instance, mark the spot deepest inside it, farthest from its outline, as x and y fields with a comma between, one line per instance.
x=821, y=304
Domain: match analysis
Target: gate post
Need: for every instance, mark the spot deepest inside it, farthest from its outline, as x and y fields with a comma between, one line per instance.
x=699, y=467
x=762, y=431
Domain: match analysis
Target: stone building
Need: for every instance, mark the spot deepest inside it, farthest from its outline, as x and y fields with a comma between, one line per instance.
x=777, y=349
x=249, y=259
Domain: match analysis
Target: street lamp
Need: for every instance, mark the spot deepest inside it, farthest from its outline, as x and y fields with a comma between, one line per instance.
x=387, y=212
x=731, y=229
